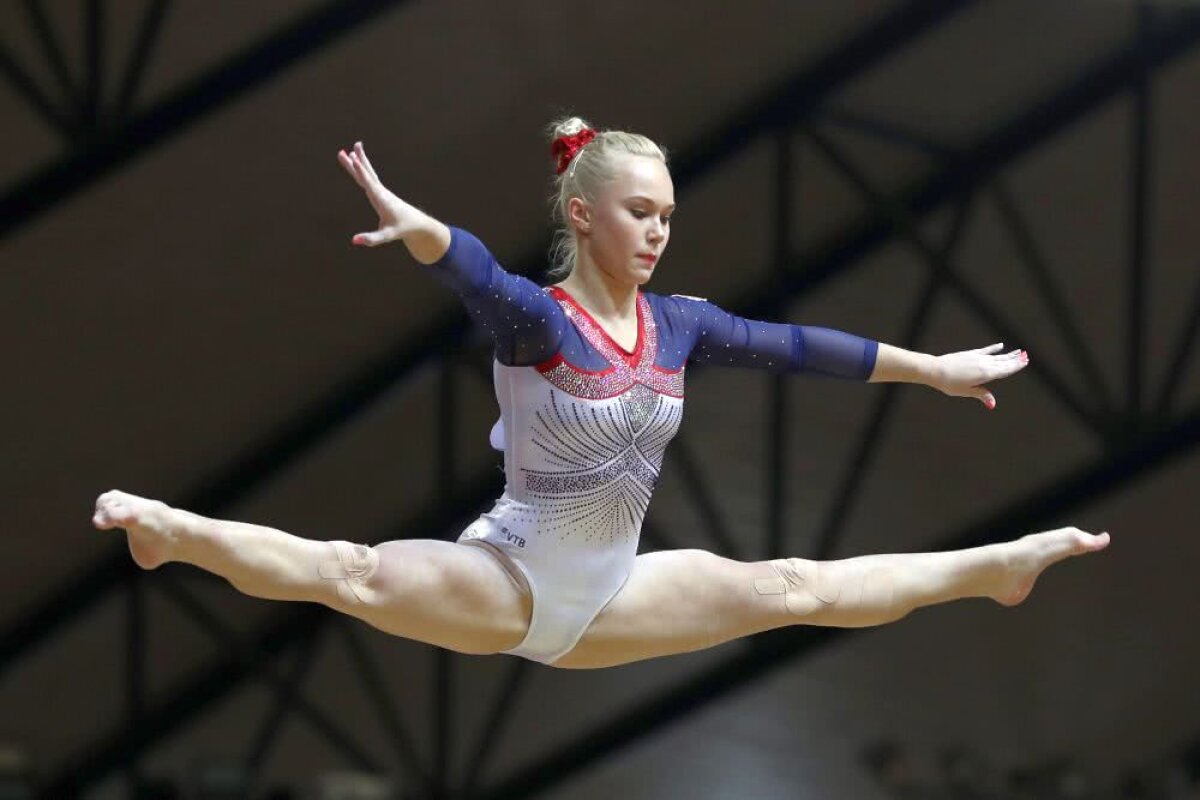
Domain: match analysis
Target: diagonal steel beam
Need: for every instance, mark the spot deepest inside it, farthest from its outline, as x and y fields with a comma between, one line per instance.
x=201, y=689
x=43, y=29
x=236, y=482
x=249, y=69
x=385, y=705
x=907, y=226
x=872, y=435
x=979, y=163
x=1038, y=269
x=780, y=647
x=802, y=92
x=807, y=92
x=34, y=96
x=147, y=37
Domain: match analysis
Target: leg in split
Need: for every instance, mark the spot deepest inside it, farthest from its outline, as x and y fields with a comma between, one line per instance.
x=438, y=592
x=684, y=600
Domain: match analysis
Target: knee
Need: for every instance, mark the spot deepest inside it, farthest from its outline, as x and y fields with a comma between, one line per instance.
x=845, y=593
x=350, y=569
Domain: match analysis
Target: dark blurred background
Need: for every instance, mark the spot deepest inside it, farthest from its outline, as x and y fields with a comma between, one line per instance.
x=183, y=317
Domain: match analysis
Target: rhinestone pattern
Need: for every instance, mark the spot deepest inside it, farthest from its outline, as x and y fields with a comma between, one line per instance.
x=620, y=375
x=602, y=438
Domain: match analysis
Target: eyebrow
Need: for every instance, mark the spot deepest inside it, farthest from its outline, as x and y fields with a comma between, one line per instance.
x=647, y=199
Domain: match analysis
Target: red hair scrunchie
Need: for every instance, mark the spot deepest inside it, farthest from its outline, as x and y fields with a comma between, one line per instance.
x=564, y=148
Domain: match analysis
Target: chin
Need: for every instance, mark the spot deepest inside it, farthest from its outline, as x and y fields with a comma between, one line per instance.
x=642, y=272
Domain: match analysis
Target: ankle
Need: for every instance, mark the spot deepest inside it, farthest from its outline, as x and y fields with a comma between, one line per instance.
x=182, y=532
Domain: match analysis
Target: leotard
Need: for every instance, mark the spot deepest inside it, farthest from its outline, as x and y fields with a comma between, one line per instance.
x=584, y=424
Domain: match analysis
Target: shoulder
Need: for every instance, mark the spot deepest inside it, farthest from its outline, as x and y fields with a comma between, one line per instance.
x=677, y=303
x=683, y=314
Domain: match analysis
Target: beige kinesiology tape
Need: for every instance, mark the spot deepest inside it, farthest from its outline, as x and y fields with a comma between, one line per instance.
x=355, y=564
x=809, y=587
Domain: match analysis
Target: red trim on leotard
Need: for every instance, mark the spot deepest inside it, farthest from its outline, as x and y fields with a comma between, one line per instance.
x=631, y=358
x=556, y=359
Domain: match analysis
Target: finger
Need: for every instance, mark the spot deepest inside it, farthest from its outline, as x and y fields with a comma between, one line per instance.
x=1007, y=367
x=366, y=162
x=1015, y=361
x=370, y=239
x=365, y=180
x=984, y=396
x=348, y=164
x=993, y=348
x=360, y=158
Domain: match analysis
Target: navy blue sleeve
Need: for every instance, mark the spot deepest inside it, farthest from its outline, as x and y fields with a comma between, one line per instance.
x=524, y=322
x=720, y=338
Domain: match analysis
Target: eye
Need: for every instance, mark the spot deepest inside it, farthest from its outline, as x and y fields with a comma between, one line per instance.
x=637, y=213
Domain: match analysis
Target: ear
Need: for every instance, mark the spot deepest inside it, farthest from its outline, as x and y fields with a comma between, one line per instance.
x=579, y=215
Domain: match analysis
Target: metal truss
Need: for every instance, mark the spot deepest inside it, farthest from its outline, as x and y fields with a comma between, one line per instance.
x=106, y=133
x=1137, y=441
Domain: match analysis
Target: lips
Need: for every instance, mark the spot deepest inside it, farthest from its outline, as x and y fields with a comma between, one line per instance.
x=649, y=258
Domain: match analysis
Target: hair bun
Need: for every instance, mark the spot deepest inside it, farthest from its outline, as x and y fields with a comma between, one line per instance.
x=569, y=137
x=567, y=126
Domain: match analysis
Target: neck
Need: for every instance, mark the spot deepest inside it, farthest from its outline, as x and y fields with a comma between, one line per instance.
x=596, y=290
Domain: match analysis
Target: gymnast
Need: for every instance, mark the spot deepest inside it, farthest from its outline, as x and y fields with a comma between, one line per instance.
x=589, y=376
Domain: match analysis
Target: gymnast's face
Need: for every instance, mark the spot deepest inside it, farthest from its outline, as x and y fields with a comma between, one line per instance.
x=626, y=229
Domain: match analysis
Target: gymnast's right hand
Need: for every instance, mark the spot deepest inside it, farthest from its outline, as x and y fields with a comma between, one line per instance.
x=426, y=238
x=396, y=217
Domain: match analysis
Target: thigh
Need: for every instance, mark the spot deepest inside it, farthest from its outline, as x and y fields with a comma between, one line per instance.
x=447, y=594
x=677, y=601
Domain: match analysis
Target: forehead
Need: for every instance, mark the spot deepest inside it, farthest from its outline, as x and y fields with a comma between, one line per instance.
x=641, y=175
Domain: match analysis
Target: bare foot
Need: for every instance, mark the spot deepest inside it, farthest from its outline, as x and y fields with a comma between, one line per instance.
x=1028, y=556
x=145, y=521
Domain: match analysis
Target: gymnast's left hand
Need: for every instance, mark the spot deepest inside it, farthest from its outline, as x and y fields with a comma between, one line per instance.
x=965, y=374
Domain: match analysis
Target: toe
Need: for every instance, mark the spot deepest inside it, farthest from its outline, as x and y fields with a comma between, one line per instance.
x=1088, y=542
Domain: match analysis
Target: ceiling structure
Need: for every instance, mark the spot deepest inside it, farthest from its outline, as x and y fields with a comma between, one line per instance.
x=188, y=321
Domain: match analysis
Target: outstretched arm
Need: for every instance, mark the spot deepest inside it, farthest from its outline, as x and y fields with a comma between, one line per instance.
x=525, y=324
x=962, y=374
x=719, y=337
x=712, y=335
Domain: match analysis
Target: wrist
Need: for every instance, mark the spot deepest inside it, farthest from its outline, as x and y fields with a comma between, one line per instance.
x=927, y=370
x=897, y=365
x=427, y=240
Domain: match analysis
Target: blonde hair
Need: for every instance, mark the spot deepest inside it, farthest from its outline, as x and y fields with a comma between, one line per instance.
x=589, y=170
